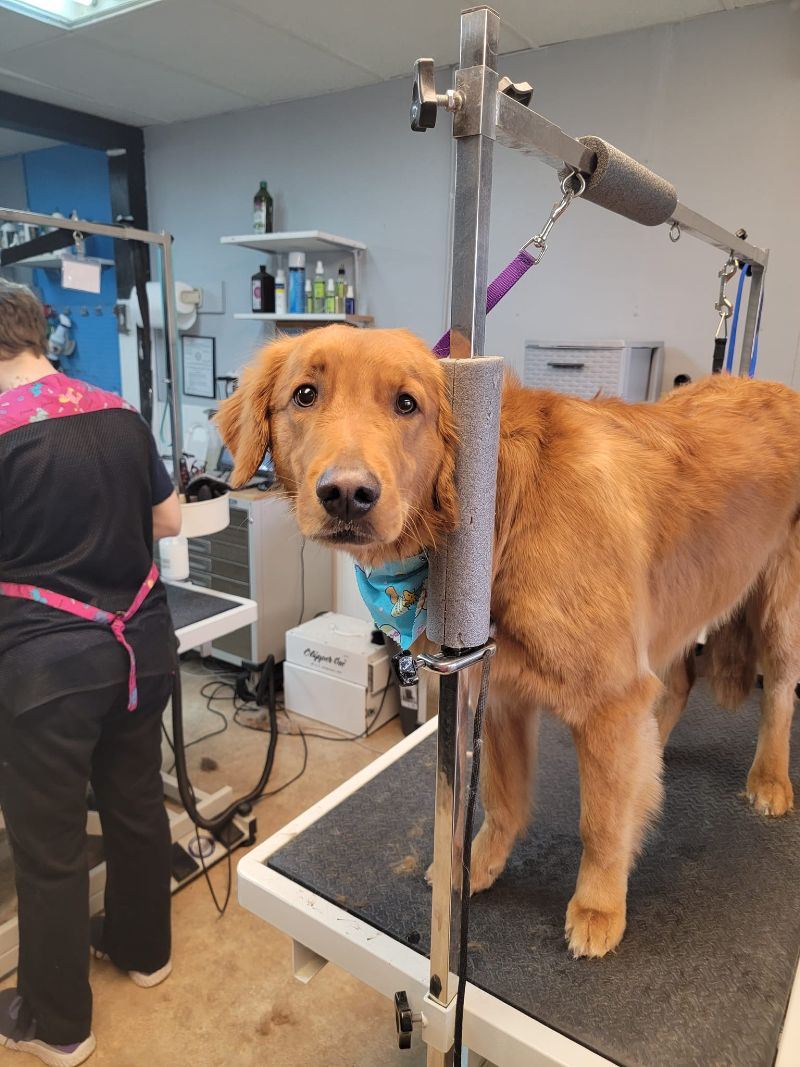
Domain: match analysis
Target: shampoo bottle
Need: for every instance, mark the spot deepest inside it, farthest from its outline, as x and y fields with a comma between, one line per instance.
x=330, y=297
x=319, y=288
x=280, y=293
x=262, y=291
x=297, y=282
x=341, y=291
x=350, y=301
x=309, y=295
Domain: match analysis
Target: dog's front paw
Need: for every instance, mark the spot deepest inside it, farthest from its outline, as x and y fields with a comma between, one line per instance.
x=488, y=860
x=769, y=795
x=592, y=932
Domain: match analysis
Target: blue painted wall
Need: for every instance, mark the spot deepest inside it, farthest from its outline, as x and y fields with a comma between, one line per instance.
x=62, y=179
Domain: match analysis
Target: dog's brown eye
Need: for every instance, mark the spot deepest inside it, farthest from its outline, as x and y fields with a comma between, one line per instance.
x=304, y=396
x=405, y=404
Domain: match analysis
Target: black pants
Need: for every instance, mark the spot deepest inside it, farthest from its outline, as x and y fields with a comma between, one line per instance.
x=47, y=757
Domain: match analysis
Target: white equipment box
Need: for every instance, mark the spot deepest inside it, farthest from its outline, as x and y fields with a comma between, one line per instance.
x=335, y=674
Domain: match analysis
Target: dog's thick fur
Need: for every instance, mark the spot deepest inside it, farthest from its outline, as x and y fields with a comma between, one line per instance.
x=621, y=532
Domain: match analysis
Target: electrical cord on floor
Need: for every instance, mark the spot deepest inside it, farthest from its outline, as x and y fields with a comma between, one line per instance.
x=469, y=818
x=221, y=908
x=266, y=692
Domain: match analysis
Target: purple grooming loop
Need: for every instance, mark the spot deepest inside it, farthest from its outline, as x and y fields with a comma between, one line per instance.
x=572, y=185
x=505, y=280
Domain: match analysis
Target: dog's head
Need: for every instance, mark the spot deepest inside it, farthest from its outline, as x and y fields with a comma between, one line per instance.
x=361, y=434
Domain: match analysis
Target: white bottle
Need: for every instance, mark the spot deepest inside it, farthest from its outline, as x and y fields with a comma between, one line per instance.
x=280, y=293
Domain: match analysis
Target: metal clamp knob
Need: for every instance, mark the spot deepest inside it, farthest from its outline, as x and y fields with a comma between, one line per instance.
x=425, y=101
x=404, y=1019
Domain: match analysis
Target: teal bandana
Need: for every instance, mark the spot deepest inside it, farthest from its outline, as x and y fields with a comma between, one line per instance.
x=397, y=596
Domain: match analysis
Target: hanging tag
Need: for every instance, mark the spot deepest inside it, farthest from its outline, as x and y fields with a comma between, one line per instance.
x=83, y=274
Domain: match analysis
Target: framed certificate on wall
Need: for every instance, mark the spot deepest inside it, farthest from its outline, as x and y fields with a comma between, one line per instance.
x=199, y=367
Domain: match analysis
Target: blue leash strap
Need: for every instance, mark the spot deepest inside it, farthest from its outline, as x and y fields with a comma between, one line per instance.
x=735, y=322
x=751, y=370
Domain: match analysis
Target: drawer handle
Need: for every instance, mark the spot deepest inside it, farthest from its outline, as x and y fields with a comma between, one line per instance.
x=561, y=365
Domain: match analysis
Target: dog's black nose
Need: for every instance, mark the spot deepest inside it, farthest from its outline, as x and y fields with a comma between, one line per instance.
x=348, y=494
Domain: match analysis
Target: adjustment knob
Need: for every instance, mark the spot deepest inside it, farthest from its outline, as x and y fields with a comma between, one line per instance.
x=424, y=101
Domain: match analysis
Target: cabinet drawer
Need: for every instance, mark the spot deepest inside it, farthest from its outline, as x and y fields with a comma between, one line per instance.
x=580, y=371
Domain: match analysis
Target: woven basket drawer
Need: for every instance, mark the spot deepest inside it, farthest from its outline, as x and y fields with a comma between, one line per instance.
x=580, y=371
x=630, y=369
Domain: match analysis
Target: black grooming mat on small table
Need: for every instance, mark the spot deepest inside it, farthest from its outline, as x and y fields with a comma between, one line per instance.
x=188, y=606
x=704, y=972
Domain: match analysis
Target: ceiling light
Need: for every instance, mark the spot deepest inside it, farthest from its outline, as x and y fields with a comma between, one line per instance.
x=70, y=13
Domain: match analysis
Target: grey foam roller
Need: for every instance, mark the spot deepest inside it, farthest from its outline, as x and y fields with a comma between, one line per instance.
x=622, y=184
x=459, y=591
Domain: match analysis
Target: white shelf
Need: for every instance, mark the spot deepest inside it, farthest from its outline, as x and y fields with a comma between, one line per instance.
x=295, y=241
x=272, y=316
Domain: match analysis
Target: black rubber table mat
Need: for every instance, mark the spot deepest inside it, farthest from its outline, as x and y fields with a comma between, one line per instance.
x=188, y=606
x=704, y=972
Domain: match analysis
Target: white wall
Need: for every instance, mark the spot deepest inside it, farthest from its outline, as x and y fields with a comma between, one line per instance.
x=713, y=104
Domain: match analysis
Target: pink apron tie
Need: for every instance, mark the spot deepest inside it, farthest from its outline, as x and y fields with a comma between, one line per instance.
x=116, y=622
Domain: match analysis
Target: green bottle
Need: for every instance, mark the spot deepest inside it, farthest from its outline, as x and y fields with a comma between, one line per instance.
x=341, y=291
x=330, y=297
x=262, y=210
x=319, y=289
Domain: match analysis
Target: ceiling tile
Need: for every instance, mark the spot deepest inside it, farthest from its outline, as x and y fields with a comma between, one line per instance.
x=11, y=82
x=126, y=83
x=550, y=21
x=381, y=36
x=18, y=31
x=228, y=48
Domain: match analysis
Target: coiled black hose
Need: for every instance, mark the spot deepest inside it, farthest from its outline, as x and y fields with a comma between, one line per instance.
x=266, y=689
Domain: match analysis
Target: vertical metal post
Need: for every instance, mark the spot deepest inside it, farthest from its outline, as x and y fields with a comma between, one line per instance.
x=473, y=129
x=751, y=321
x=173, y=360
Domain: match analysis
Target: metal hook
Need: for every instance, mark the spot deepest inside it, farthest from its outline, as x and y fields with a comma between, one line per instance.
x=675, y=232
x=539, y=240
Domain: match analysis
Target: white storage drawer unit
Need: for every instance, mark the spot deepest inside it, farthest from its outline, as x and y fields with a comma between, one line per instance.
x=630, y=369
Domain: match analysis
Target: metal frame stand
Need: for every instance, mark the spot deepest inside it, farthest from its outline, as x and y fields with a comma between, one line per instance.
x=485, y=112
x=163, y=241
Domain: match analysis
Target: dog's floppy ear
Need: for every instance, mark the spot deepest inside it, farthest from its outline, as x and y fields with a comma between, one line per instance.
x=243, y=418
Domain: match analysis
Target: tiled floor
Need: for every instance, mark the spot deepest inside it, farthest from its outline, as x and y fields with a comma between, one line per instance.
x=231, y=999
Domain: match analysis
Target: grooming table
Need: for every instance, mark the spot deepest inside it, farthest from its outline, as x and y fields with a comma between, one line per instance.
x=709, y=960
x=200, y=616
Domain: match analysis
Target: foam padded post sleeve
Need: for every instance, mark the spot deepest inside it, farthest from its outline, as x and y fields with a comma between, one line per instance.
x=622, y=184
x=459, y=588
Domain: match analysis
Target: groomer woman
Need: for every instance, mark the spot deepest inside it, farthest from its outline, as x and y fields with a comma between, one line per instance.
x=87, y=655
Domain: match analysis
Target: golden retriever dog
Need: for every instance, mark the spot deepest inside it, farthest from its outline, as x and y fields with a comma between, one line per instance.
x=622, y=531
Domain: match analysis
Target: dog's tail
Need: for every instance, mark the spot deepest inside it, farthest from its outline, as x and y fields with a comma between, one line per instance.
x=731, y=656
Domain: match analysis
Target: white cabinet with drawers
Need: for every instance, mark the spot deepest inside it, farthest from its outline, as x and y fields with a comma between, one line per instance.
x=262, y=555
x=630, y=369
